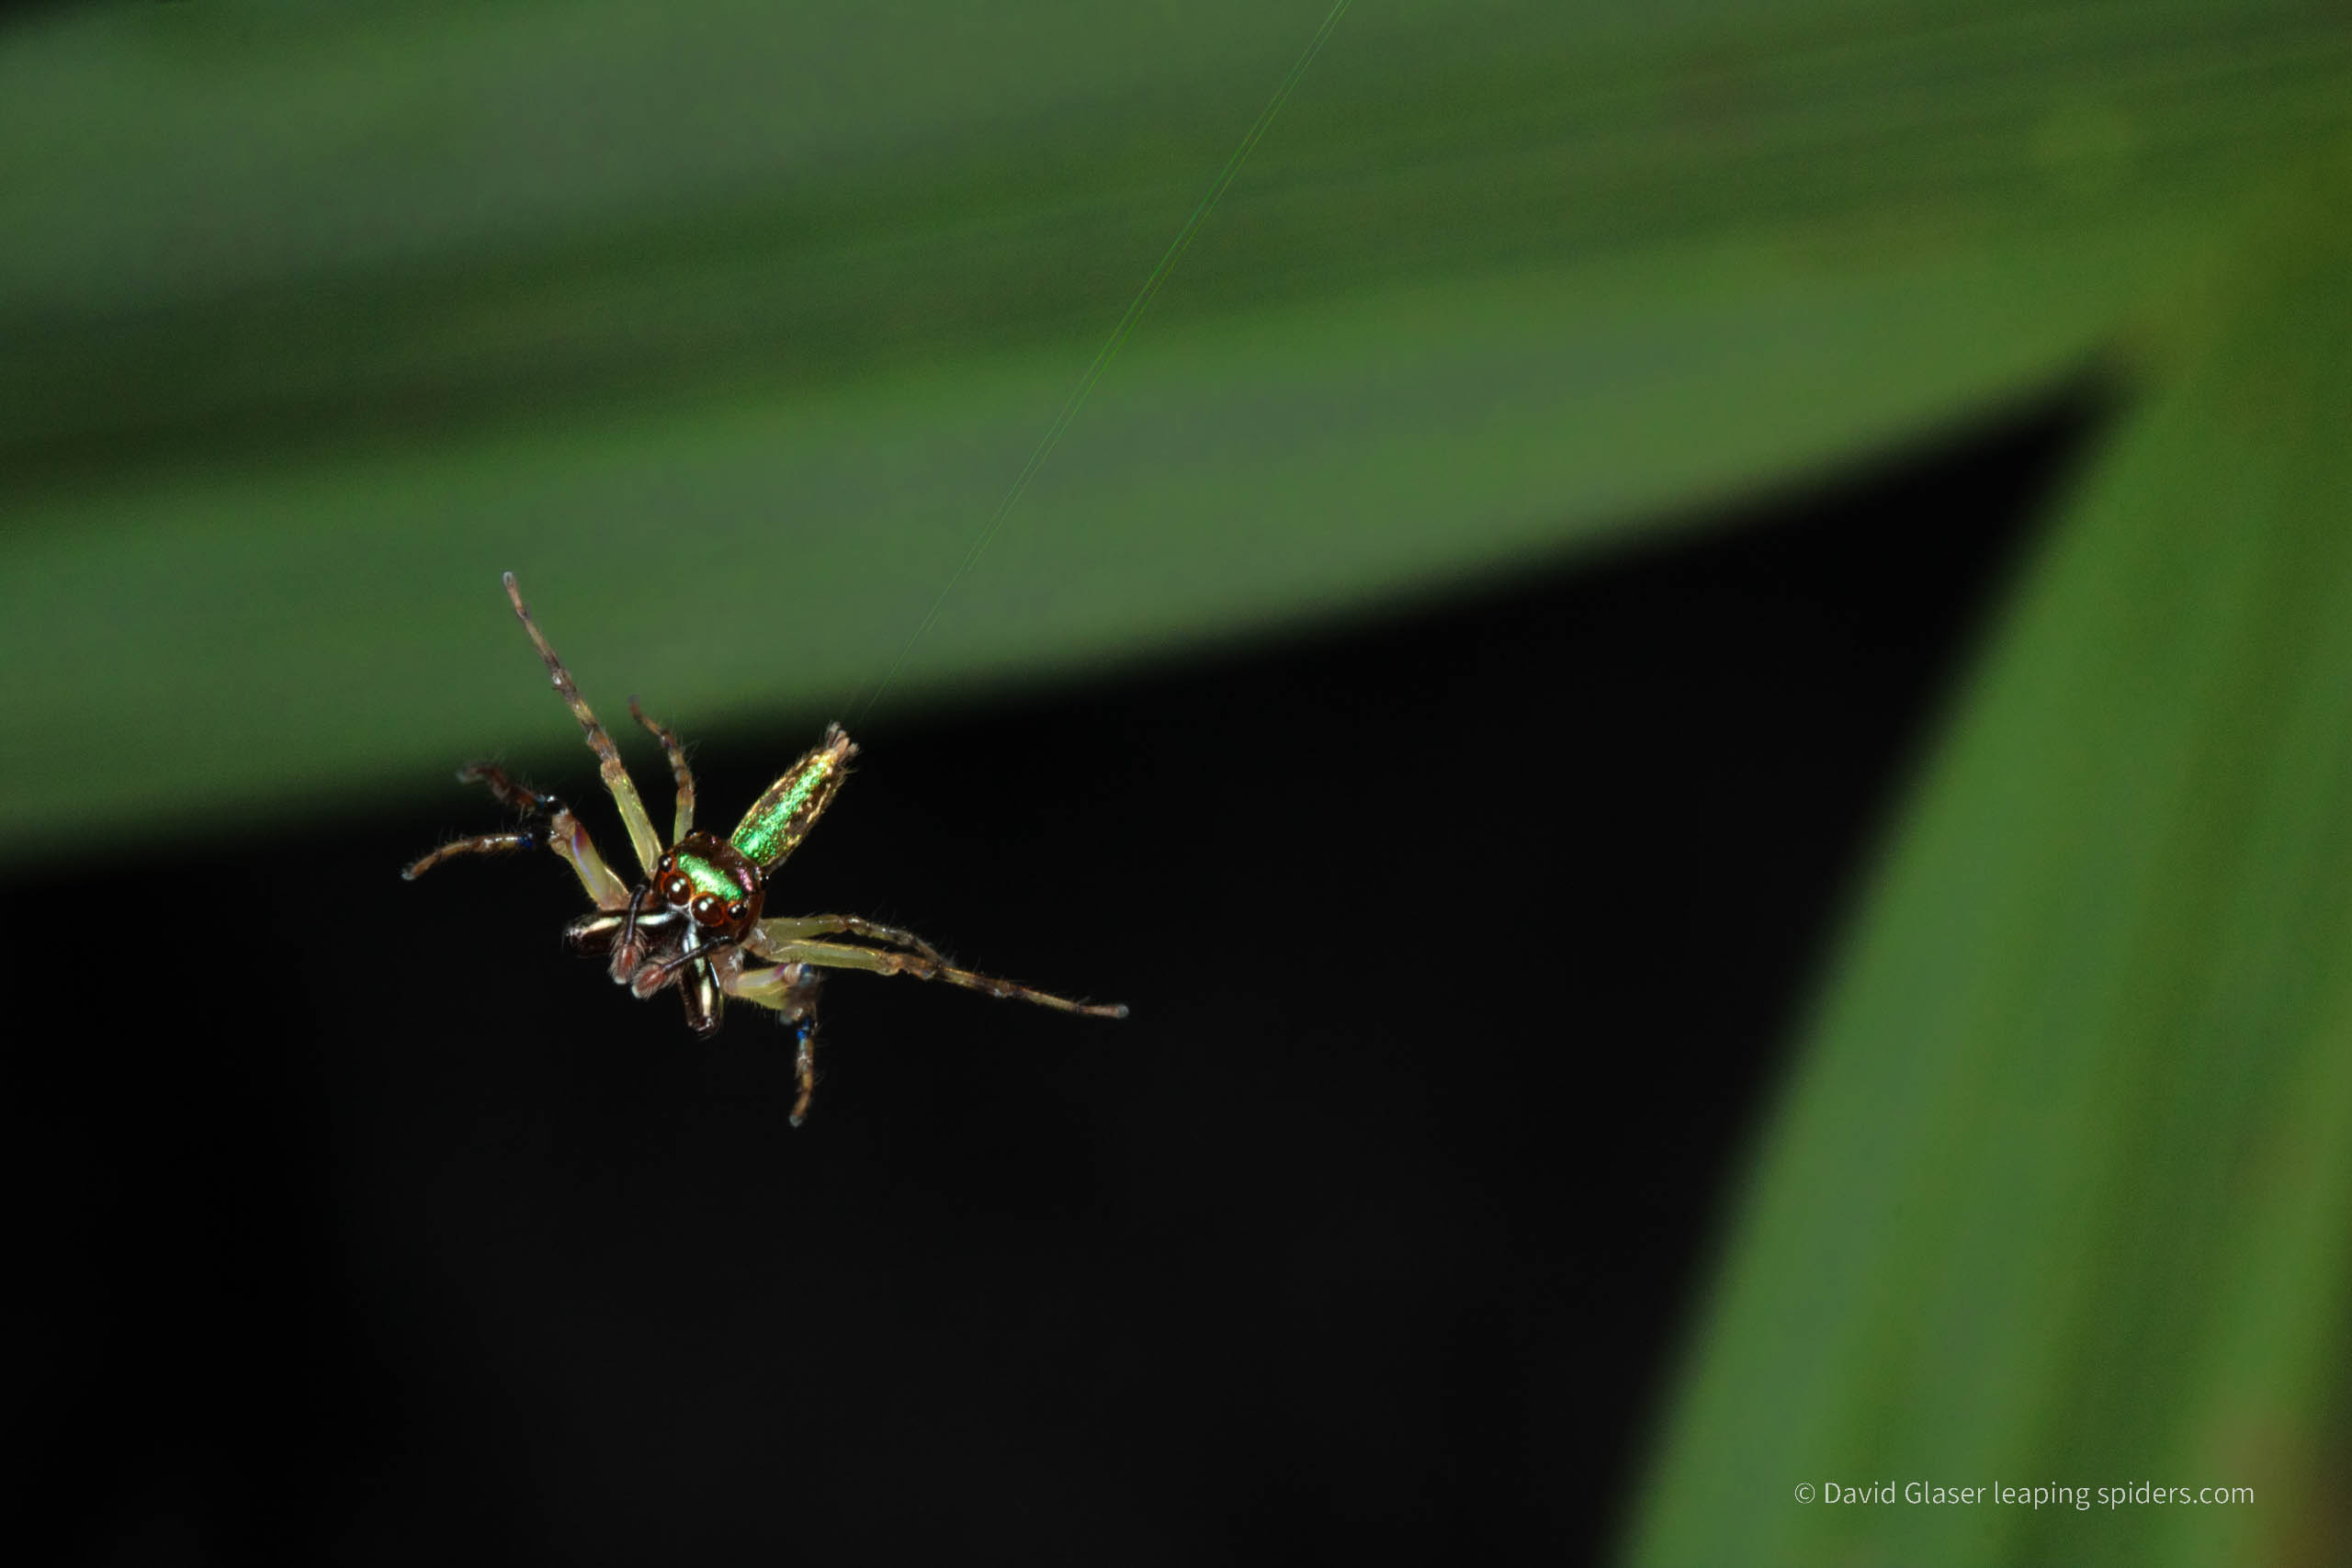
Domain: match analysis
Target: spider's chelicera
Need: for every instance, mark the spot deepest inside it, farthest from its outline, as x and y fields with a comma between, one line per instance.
x=695, y=921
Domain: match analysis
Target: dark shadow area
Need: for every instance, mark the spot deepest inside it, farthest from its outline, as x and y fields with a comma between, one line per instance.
x=361, y=1222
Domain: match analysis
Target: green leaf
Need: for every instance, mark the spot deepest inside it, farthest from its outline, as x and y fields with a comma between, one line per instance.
x=2061, y=1192
x=726, y=325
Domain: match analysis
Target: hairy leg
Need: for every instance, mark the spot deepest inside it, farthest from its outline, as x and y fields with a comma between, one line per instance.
x=608, y=758
x=790, y=990
x=840, y=955
x=798, y=928
x=684, y=823
x=556, y=829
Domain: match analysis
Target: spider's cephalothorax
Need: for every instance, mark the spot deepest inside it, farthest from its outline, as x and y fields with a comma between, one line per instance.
x=703, y=898
x=696, y=920
x=711, y=883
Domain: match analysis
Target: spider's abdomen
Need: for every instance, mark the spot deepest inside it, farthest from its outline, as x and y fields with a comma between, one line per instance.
x=779, y=819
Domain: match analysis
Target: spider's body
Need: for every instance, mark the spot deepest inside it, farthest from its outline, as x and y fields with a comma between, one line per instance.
x=696, y=920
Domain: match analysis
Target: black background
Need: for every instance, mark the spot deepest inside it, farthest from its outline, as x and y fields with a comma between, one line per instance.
x=362, y=1222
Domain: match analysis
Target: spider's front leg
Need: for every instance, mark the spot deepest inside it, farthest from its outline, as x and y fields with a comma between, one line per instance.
x=551, y=826
x=790, y=990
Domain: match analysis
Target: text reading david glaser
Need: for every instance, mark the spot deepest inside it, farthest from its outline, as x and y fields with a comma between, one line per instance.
x=1999, y=1494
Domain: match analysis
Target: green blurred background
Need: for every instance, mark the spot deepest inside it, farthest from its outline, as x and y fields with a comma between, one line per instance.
x=726, y=324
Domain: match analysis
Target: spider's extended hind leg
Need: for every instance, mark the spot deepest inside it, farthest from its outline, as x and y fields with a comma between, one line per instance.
x=552, y=827
x=880, y=961
x=791, y=990
x=797, y=928
x=608, y=757
x=678, y=769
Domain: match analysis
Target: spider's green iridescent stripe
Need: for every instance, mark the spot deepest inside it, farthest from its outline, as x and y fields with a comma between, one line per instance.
x=711, y=879
x=779, y=819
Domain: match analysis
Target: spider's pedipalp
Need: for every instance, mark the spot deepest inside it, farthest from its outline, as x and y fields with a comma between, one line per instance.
x=705, y=1002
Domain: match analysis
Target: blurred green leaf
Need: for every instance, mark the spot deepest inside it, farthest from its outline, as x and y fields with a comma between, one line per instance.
x=726, y=324
x=2062, y=1193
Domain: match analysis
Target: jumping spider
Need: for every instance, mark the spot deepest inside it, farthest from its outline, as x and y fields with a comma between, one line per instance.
x=695, y=922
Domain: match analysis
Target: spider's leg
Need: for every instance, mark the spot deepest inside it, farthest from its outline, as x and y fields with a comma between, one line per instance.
x=804, y=1061
x=557, y=830
x=510, y=790
x=791, y=990
x=840, y=955
x=677, y=755
x=621, y=932
x=481, y=844
x=608, y=757
x=795, y=928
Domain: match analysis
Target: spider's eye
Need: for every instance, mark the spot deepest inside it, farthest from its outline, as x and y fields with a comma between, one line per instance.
x=734, y=911
x=675, y=887
x=707, y=910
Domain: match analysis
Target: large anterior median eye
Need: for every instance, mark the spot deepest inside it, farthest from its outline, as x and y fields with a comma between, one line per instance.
x=708, y=911
x=676, y=888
